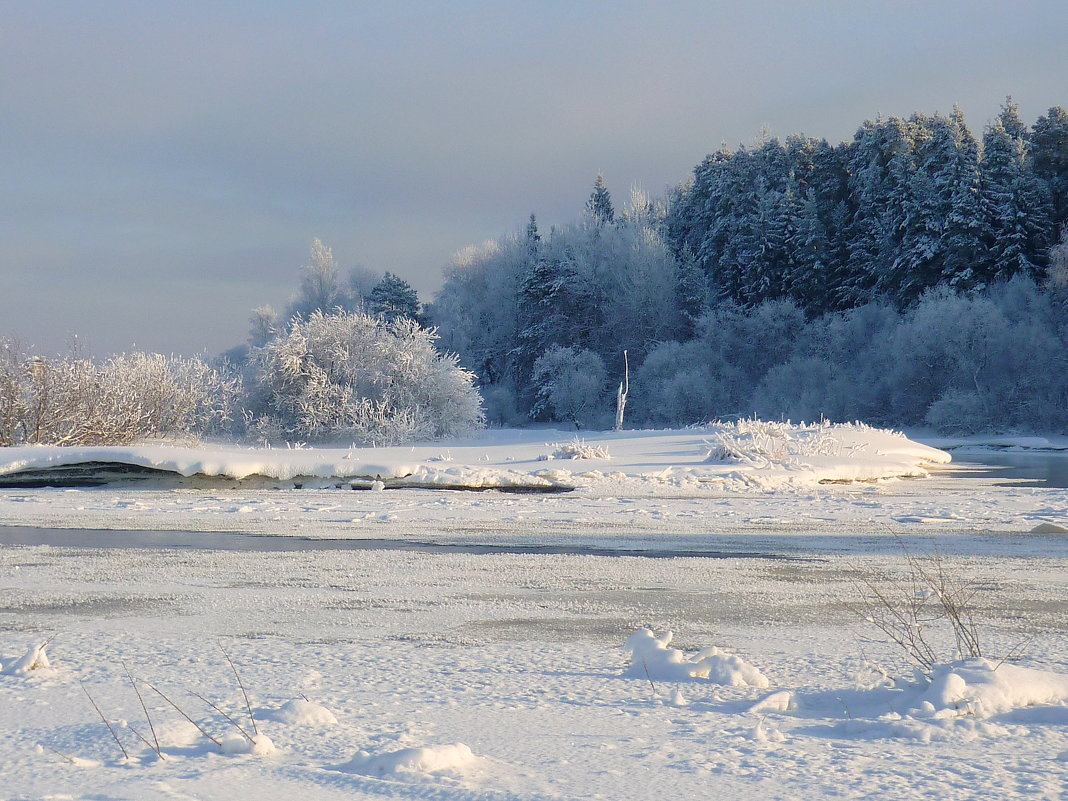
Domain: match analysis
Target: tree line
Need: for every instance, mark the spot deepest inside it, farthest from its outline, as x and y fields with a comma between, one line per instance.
x=719, y=288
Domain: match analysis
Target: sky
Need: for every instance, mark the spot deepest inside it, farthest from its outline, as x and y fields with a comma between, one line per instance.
x=165, y=166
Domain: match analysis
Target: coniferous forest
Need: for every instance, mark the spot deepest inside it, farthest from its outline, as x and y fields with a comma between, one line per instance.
x=917, y=274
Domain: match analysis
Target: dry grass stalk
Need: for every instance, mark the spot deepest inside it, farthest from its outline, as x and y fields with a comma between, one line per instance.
x=70, y=759
x=144, y=708
x=907, y=611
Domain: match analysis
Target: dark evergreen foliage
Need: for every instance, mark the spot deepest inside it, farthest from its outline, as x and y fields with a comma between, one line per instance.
x=908, y=205
x=393, y=299
x=599, y=206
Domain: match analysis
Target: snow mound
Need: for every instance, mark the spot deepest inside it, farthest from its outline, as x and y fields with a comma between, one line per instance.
x=579, y=449
x=781, y=701
x=982, y=688
x=260, y=745
x=35, y=658
x=300, y=712
x=652, y=658
x=821, y=451
x=78, y=762
x=1048, y=528
x=456, y=759
x=958, y=702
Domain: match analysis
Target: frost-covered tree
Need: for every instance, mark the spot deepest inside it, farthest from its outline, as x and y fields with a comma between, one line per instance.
x=1049, y=154
x=262, y=325
x=72, y=400
x=320, y=285
x=1058, y=263
x=361, y=280
x=1017, y=213
x=353, y=376
x=570, y=386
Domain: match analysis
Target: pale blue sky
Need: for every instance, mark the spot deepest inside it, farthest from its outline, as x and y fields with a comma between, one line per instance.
x=166, y=165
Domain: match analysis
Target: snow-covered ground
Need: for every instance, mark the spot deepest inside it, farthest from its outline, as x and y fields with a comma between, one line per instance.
x=449, y=675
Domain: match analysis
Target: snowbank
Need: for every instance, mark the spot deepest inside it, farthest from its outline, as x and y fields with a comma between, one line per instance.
x=959, y=702
x=982, y=688
x=745, y=455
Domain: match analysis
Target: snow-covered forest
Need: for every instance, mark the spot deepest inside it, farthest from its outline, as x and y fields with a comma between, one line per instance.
x=917, y=274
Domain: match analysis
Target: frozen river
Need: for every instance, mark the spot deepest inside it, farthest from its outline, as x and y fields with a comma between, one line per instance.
x=421, y=619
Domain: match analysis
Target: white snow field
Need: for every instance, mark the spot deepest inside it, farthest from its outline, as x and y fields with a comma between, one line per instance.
x=397, y=649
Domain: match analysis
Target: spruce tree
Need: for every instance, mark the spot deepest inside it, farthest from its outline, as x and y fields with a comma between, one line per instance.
x=1049, y=159
x=958, y=181
x=599, y=206
x=393, y=299
x=1016, y=208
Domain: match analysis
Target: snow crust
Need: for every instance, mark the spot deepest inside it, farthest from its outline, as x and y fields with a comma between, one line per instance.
x=517, y=657
x=259, y=745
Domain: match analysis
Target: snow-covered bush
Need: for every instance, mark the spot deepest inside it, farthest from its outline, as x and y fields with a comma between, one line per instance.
x=354, y=376
x=755, y=441
x=72, y=400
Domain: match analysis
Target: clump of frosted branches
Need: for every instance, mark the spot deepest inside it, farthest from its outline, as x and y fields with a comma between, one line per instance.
x=73, y=400
x=759, y=441
x=579, y=449
x=355, y=376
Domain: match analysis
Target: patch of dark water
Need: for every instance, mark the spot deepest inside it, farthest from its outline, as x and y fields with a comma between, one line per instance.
x=236, y=541
x=1018, y=469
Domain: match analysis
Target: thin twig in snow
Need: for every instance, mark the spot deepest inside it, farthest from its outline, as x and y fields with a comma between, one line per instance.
x=144, y=739
x=650, y=678
x=144, y=708
x=181, y=712
x=118, y=742
x=237, y=676
x=70, y=759
x=232, y=721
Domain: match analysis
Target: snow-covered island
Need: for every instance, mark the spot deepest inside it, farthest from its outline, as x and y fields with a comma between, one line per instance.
x=739, y=456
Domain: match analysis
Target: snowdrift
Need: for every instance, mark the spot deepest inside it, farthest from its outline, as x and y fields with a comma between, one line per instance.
x=745, y=455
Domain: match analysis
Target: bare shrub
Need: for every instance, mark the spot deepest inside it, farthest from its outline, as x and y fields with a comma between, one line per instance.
x=914, y=610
